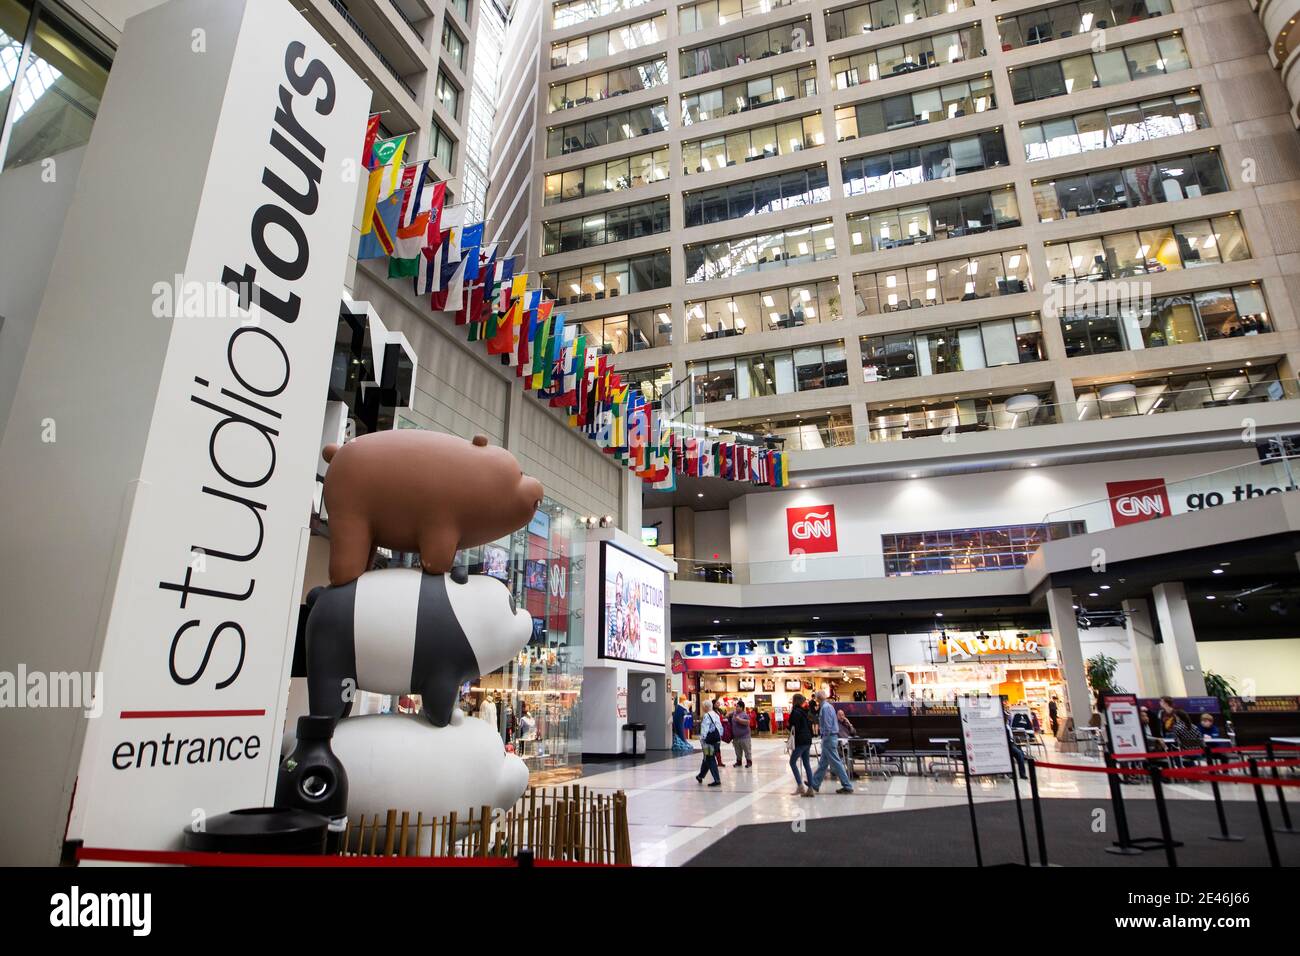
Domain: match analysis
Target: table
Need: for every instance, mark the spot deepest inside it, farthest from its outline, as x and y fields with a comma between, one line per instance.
x=952, y=753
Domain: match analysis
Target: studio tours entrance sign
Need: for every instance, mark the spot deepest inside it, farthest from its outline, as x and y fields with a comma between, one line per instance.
x=201, y=605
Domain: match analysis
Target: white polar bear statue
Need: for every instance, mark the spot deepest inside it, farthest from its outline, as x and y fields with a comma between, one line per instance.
x=401, y=762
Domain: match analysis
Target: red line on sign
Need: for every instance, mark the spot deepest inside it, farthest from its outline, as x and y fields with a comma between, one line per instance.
x=147, y=714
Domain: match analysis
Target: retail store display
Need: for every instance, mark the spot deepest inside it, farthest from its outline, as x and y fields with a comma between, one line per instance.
x=400, y=630
x=416, y=490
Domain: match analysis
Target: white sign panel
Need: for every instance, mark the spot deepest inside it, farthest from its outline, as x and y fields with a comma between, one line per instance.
x=984, y=732
x=202, y=620
x=632, y=608
x=1124, y=723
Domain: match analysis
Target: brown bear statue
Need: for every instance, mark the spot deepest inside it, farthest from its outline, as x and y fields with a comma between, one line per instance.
x=415, y=490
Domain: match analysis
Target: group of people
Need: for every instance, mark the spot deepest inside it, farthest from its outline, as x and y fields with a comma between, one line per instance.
x=1173, y=721
x=718, y=727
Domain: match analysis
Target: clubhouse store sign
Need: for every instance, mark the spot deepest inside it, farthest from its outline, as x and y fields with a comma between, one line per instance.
x=776, y=653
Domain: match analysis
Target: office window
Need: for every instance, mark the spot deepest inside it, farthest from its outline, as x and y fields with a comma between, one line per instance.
x=752, y=145
x=461, y=7
x=1149, y=119
x=737, y=50
x=938, y=49
x=611, y=128
x=608, y=280
x=749, y=198
x=454, y=44
x=785, y=307
x=770, y=250
x=909, y=166
x=804, y=369
x=596, y=46
x=936, y=283
x=1088, y=70
x=606, y=226
x=601, y=86
x=448, y=94
x=882, y=14
x=630, y=331
x=1143, y=185
x=616, y=175
x=1171, y=320
x=951, y=349
x=751, y=94
x=443, y=145
x=1071, y=19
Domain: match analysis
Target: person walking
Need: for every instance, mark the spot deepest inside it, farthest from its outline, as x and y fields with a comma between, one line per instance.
x=742, y=735
x=829, y=724
x=801, y=742
x=711, y=739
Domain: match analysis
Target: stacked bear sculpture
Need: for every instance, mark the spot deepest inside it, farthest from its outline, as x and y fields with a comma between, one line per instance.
x=402, y=630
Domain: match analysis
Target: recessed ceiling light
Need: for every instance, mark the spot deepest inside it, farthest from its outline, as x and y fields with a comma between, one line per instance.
x=699, y=494
x=1217, y=571
x=816, y=618
x=938, y=613
x=1209, y=597
x=1105, y=587
x=717, y=622
x=1093, y=594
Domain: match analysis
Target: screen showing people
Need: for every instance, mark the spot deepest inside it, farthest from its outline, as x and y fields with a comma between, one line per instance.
x=633, y=608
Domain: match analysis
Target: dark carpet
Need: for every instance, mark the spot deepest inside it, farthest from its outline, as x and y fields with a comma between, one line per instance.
x=941, y=836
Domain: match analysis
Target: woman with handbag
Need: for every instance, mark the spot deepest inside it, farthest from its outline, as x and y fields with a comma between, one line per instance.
x=711, y=739
x=800, y=745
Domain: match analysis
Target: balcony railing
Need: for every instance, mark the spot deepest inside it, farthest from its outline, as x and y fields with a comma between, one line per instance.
x=959, y=418
x=343, y=12
x=1008, y=547
x=405, y=19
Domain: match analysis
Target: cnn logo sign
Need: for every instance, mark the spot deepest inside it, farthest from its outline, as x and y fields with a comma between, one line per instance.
x=811, y=530
x=1139, y=500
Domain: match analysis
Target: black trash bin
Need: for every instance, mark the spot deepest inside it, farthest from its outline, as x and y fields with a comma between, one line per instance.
x=262, y=830
x=634, y=730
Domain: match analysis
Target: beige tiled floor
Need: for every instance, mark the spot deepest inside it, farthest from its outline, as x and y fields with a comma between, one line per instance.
x=672, y=818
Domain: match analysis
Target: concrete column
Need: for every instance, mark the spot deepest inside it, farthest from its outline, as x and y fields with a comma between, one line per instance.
x=683, y=535
x=882, y=667
x=1180, y=660
x=1143, y=648
x=630, y=504
x=1065, y=630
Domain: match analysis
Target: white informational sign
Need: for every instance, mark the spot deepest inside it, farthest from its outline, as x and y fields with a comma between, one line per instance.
x=1124, y=723
x=984, y=732
x=632, y=608
x=203, y=609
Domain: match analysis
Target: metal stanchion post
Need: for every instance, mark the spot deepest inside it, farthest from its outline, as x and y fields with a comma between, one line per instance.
x=1273, y=859
x=1038, y=812
x=1162, y=812
x=970, y=799
x=1020, y=816
x=1223, y=833
x=1123, y=846
x=1286, y=826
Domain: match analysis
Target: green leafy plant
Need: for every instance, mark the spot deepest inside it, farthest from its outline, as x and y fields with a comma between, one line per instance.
x=1101, y=674
x=1216, y=685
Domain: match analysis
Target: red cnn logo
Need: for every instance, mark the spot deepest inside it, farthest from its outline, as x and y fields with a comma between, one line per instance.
x=1140, y=500
x=811, y=530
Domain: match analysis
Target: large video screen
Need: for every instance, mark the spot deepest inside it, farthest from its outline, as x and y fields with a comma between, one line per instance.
x=632, y=609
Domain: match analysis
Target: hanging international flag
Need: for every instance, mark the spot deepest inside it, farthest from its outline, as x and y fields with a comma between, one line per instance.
x=387, y=157
x=413, y=223
x=379, y=241
x=368, y=145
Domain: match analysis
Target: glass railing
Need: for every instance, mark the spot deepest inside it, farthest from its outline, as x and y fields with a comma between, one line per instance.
x=1151, y=499
x=1010, y=547
x=964, y=417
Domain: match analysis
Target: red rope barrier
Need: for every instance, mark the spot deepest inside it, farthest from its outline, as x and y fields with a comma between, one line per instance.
x=1074, y=766
x=1161, y=754
x=1195, y=773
